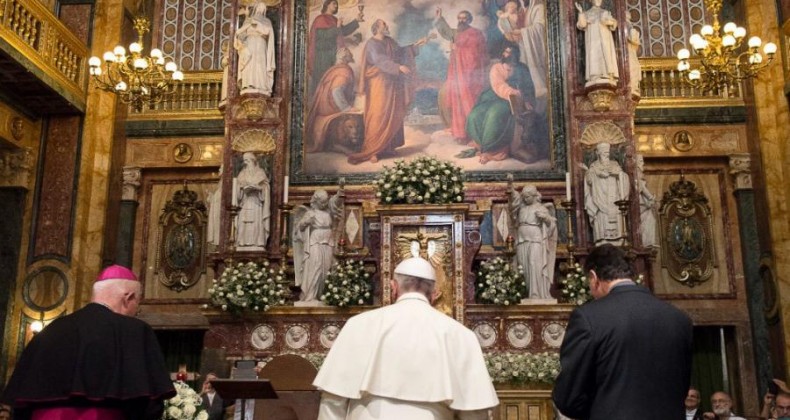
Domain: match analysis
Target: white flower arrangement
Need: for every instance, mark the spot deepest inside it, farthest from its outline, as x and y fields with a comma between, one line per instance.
x=185, y=405
x=422, y=180
x=509, y=367
x=576, y=287
x=347, y=284
x=248, y=286
x=498, y=283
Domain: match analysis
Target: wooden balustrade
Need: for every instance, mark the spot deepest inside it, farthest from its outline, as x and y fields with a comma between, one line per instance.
x=197, y=96
x=662, y=86
x=39, y=36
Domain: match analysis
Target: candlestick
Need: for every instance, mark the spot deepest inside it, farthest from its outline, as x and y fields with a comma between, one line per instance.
x=567, y=186
x=234, y=192
x=285, y=190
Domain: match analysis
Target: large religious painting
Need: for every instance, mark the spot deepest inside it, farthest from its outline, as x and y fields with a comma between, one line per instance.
x=463, y=80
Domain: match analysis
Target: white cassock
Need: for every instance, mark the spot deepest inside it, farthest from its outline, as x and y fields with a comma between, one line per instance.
x=405, y=361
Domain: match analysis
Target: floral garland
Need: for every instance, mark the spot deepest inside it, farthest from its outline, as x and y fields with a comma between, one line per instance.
x=422, y=180
x=498, y=283
x=248, y=287
x=509, y=367
x=185, y=405
x=347, y=284
x=576, y=288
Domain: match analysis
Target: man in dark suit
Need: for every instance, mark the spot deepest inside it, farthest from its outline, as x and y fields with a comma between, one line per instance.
x=692, y=404
x=212, y=402
x=625, y=355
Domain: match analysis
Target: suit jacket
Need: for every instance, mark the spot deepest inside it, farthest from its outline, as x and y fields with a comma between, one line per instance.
x=625, y=356
x=215, y=410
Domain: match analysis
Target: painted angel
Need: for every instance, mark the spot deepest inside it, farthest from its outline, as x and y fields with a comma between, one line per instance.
x=314, y=237
x=536, y=240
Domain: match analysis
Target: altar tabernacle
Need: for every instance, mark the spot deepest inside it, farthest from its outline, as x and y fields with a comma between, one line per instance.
x=406, y=360
x=97, y=363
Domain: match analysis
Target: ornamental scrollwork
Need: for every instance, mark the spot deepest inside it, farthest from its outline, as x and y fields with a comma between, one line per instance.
x=180, y=258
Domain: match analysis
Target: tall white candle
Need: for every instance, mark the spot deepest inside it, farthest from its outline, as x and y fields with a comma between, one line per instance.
x=567, y=186
x=235, y=192
x=285, y=190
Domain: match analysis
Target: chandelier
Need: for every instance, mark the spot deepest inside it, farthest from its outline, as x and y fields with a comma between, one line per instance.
x=136, y=79
x=722, y=62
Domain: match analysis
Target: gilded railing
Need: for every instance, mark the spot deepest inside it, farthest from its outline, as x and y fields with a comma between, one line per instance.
x=33, y=31
x=197, y=96
x=662, y=87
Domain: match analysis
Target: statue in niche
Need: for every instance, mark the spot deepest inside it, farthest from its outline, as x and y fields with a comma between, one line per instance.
x=314, y=239
x=536, y=239
x=255, y=44
x=225, y=63
x=605, y=182
x=600, y=60
x=634, y=67
x=214, y=202
x=647, y=205
x=252, y=195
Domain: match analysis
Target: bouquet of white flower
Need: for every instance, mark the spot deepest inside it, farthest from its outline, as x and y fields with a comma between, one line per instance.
x=185, y=405
x=523, y=367
x=248, y=287
x=347, y=284
x=576, y=288
x=422, y=180
x=498, y=283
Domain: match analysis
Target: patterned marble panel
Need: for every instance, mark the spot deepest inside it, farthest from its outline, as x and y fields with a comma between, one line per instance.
x=193, y=32
x=54, y=212
x=77, y=17
x=665, y=25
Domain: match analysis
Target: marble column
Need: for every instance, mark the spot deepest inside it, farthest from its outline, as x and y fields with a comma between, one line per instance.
x=126, y=219
x=740, y=170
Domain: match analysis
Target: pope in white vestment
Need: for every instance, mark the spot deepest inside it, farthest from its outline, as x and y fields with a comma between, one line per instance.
x=406, y=360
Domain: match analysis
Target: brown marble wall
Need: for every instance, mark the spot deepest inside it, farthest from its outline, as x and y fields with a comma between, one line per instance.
x=54, y=212
x=77, y=17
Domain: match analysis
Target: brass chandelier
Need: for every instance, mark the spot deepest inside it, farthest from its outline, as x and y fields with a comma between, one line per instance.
x=722, y=62
x=136, y=79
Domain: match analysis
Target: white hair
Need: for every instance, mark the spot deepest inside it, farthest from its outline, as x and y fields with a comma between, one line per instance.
x=407, y=283
x=111, y=291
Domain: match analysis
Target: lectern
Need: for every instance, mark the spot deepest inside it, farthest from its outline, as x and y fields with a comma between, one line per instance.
x=244, y=389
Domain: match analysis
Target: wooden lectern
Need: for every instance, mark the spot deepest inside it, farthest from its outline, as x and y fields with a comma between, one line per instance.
x=244, y=389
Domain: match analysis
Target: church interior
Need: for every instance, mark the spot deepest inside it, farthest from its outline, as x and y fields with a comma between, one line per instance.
x=243, y=137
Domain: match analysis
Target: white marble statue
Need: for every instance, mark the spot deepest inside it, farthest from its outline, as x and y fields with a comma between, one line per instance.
x=600, y=54
x=225, y=63
x=253, y=196
x=604, y=183
x=314, y=243
x=647, y=205
x=635, y=68
x=214, y=204
x=255, y=43
x=536, y=239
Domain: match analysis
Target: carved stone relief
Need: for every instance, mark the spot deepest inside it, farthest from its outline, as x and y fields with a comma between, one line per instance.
x=180, y=258
x=131, y=183
x=741, y=170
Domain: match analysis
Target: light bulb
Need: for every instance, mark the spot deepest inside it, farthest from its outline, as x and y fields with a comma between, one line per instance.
x=706, y=30
x=178, y=75
x=730, y=28
x=160, y=61
x=144, y=90
x=109, y=56
x=94, y=61
x=156, y=53
x=696, y=41
x=755, y=58
x=119, y=51
x=140, y=63
x=95, y=71
x=135, y=48
x=683, y=65
x=121, y=86
x=754, y=42
x=171, y=66
x=740, y=32
x=694, y=75
x=728, y=41
x=683, y=54
x=36, y=327
x=769, y=49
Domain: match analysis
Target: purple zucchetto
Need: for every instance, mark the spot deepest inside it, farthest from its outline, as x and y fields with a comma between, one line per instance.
x=116, y=272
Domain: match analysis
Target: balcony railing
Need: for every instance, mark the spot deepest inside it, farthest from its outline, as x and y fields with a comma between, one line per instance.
x=196, y=97
x=663, y=87
x=39, y=36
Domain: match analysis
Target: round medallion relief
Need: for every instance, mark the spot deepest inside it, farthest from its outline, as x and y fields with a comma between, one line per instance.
x=519, y=335
x=262, y=337
x=486, y=334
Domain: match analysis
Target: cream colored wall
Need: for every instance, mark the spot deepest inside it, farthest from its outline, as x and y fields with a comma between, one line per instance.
x=773, y=129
